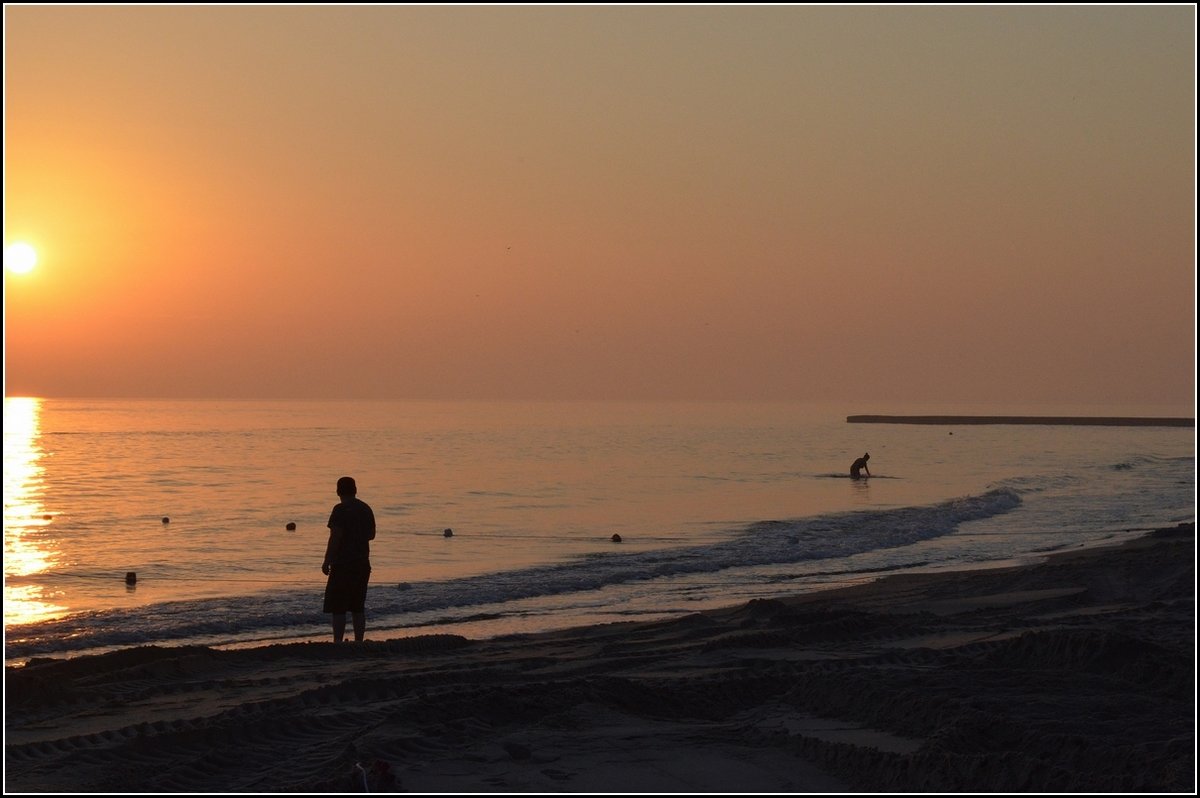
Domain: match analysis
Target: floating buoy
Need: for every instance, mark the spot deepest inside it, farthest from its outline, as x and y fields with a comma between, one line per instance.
x=616, y=538
x=130, y=577
x=448, y=533
x=166, y=520
x=291, y=527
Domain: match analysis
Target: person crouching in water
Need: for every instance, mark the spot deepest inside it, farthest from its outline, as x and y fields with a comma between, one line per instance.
x=348, y=560
x=860, y=465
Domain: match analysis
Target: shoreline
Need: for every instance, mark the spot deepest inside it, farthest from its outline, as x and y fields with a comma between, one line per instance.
x=1072, y=674
x=479, y=627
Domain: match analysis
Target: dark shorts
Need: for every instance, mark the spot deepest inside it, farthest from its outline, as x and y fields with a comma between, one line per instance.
x=346, y=590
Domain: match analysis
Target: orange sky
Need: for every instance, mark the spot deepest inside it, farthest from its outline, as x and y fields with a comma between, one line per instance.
x=884, y=205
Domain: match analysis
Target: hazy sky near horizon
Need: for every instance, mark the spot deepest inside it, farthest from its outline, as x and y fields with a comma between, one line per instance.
x=894, y=204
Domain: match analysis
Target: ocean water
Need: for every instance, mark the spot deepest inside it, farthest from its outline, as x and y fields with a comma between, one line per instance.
x=714, y=503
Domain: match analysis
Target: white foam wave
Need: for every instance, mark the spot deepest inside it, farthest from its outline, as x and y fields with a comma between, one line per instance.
x=766, y=543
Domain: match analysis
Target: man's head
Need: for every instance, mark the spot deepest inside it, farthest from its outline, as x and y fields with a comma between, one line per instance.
x=346, y=487
x=865, y=457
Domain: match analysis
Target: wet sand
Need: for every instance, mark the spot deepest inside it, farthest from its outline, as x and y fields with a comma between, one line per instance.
x=1072, y=675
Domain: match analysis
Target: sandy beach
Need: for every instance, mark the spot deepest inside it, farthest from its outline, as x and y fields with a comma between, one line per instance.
x=1073, y=675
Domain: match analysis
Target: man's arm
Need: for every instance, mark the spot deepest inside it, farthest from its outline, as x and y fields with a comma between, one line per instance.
x=331, y=548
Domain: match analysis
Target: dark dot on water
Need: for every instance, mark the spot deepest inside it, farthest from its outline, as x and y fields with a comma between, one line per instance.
x=448, y=533
x=166, y=520
x=291, y=527
x=616, y=538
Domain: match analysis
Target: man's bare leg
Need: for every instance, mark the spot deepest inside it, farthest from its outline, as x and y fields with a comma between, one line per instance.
x=339, y=626
x=360, y=625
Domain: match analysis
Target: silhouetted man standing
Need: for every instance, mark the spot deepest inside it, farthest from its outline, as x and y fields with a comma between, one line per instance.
x=348, y=560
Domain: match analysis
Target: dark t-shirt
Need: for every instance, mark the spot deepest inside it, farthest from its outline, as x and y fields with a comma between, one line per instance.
x=357, y=522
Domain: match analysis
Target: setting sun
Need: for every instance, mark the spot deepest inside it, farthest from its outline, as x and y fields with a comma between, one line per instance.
x=20, y=258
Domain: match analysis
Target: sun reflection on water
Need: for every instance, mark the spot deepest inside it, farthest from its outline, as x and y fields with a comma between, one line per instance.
x=26, y=549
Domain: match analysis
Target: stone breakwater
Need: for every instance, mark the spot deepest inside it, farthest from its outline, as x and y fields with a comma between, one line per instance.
x=1071, y=421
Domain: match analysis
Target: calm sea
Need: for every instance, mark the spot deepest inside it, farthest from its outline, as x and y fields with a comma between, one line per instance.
x=714, y=503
